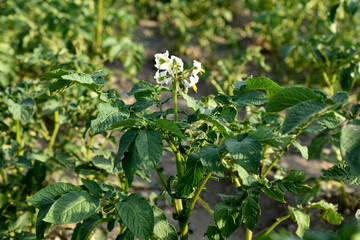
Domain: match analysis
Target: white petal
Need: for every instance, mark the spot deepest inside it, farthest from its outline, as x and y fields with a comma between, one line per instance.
x=197, y=67
x=176, y=64
x=162, y=60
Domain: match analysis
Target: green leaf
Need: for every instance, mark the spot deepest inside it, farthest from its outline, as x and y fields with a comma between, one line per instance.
x=262, y=83
x=137, y=214
x=86, y=227
x=59, y=86
x=250, y=211
x=105, y=160
x=226, y=218
x=126, y=139
x=51, y=106
x=163, y=229
x=303, y=149
x=140, y=87
x=78, y=78
x=192, y=177
x=350, y=145
x=20, y=221
x=331, y=120
x=72, y=207
x=143, y=103
x=346, y=79
x=288, y=97
x=55, y=74
x=41, y=226
x=352, y=6
x=342, y=171
x=223, y=129
x=213, y=233
x=228, y=114
x=295, y=176
x=149, y=146
x=192, y=103
x=210, y=158
x=265, y=134
x=23, y=111
x=340, y=97
x=300, y=113
x=302, y=220
x=170, y=126
x=274, y=193
x=249, y=98
x=246, y=152
x=51, y=192
x=93, y=187
x=329, y=212
x=131, y=163
x=317, y=145
x=109, y=114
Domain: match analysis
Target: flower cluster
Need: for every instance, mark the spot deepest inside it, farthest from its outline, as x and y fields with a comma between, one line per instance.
x=173, y=68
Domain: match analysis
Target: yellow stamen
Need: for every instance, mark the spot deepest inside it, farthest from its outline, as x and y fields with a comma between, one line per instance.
x=194, y=88
x=201, y=71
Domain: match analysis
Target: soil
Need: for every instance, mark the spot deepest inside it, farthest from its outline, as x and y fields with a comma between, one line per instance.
x=153, y=43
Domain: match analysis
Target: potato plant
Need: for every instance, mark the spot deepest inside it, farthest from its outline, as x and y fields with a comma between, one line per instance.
x=211, y=138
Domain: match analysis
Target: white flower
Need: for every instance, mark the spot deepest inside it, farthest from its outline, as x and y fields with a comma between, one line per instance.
x=161, y=77
x=162, y=61
x=176, y=64
x=193, y=81
x=197, y=68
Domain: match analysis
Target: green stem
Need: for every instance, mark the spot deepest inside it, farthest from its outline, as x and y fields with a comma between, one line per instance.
x=99, y=26
x=344, y=197
x=88, y=151
x=175, y=101
x=55, y=131
x=330, y=85
x=285, y=149
x=248, y=234
x=162, y=179
x=206, y=206
x=278, y=221
x=18, y=138
x=3, y=176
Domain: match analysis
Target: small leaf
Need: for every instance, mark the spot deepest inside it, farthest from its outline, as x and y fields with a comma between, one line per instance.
x=302, y=220
x=288, y=97
x=331, y=120
x=163, y=229
x=131, y=163
x=329, y=212
x=250, y=211
x=317, y=145
x=346, y=79
x=352, y=6
x=210, y=158
x=52, y=192
x=143, y=103
x=303, y=149
x=300, y=113
x=247, y=152
x=223, y=129
x=55, y=74
x=274, y=193
x=170, y=126
x=93, y=187
x=149, y=146
x=140, y=87
x=350, y=145
x=137, y=214
x=20, y=221
x=126, y=139
x=192, y=103
x=109, y=114
x=72, y=207
x=342, y=171
x=213, y=233
x=227, y=219
x=262, y=83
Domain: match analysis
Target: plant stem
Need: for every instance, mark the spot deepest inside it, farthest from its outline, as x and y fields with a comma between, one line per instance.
x=330, y=85
x=88, y=151
x=278, y=221
x=3, y=176
x=248, y=234
x=206, y=206
x=344, y=197
x=99, y=26
x=18, y=138
x=175, y=100
x=285, y=149
x=162, y=179
x=55, y=131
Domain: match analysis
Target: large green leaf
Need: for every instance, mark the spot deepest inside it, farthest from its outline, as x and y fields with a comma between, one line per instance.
x=41, y=226
x=246, y=152
x=126, y=139
x=131, y=163
x=288, y=97
x=262, y=83
x=149, y=146
x=250, y=211
x=137, y=214
x=72, y=207
x=350, y=145
x=210, y=157
x=192, y=177
x=140, y=87
x=163, y=229
x=109, y=114
x=51, y=192
x=170, y=126
x=266, y=135
x=342, y=171
x=227, y=219
x=249, y=98
x=300, y=113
